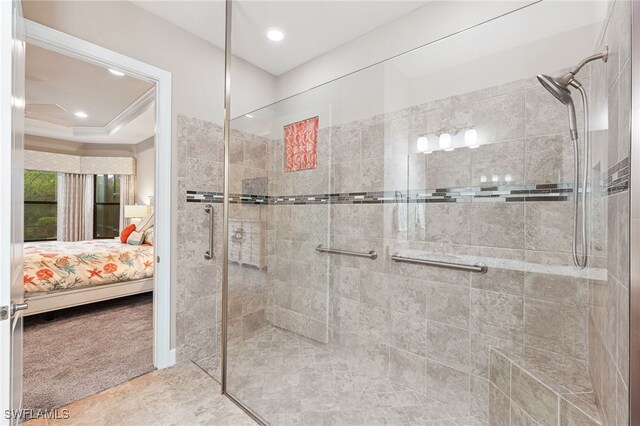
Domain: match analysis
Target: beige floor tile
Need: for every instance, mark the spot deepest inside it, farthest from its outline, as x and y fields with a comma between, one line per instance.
x=180, y=395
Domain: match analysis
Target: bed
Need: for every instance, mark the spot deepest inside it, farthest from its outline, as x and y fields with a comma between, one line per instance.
x=60, y=274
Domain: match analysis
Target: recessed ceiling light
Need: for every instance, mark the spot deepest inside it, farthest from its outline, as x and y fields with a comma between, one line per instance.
x=81, y=114
x=116, y=72
x=248, y=115
x=275, y=34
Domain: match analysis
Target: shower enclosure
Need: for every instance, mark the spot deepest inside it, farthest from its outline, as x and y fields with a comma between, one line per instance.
x=400, y=239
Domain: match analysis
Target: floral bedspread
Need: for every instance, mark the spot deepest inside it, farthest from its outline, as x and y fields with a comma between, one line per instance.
x=57, y=265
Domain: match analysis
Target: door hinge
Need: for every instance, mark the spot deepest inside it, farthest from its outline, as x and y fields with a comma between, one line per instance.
x=4, y=312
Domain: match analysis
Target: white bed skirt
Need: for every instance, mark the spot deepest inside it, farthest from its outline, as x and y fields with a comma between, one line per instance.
x=52, y=301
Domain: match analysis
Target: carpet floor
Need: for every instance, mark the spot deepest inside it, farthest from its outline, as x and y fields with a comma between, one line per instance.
x=76, y=352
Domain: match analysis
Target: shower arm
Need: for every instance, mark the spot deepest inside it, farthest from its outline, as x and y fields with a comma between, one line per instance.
x=570, y=76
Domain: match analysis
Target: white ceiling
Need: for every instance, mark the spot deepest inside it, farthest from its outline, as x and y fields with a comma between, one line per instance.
x=57, y=86
x=137, y=130
x=311, y=27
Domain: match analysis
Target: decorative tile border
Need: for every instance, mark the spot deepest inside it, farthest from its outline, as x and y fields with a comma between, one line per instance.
x=519, y=193
x=617, y=179
x=217, y=198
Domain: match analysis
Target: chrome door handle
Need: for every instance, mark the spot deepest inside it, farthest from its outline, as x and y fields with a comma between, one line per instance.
x=209, y=253
x=15, y=307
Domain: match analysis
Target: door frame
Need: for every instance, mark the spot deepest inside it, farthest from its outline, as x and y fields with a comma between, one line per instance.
x=11, y=103
x=57, y=41
x=634, y=222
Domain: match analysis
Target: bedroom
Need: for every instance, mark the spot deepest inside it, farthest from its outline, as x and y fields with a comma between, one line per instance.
x=89, y=172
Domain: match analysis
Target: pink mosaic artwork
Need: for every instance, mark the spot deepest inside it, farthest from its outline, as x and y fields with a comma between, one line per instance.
x=301, y=145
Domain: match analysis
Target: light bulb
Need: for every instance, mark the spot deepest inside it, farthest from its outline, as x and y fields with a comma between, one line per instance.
x=275, y=34
x=422, y=144
x=444, y=141
x=494, y=178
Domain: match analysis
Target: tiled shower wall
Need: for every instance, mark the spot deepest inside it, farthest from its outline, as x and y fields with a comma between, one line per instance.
x=199, y=286
x=198, y=291
x=506, y=203
x=609, y=299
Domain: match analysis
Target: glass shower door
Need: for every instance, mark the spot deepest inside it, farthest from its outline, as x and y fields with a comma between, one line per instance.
x=278, y=307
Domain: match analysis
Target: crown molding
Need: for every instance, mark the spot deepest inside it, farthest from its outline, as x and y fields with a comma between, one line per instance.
x=130, y=113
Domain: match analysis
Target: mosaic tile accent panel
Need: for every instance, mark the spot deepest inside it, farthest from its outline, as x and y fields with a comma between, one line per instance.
x=218, y=197
x=301, y=145
x=520, y=193
x=617, y=179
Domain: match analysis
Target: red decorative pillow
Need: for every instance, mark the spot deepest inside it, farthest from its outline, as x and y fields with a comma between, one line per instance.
x=126, y=232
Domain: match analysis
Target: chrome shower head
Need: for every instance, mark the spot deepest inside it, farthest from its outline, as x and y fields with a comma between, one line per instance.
x=556, y=88
x=559, y=90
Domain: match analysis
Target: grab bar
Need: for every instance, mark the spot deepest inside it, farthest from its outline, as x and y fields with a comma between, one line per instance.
x=209, y=253
x=371, y=255
x=479, y=267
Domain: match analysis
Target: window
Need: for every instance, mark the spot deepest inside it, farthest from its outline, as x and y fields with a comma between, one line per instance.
x=106, y=212
x=40, y=206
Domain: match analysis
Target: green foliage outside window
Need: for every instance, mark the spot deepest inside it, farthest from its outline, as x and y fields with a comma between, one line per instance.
x=40, y=206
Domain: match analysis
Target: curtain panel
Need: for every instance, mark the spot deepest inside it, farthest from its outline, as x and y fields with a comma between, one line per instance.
x=75, y=207
x=127, y=196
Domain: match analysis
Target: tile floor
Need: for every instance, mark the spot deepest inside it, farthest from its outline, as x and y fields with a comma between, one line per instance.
x=280, y=376
x=180, y=395
x=287, y=381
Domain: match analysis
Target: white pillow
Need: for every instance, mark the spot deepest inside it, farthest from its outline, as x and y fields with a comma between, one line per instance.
x=145, y=223
x=148, y=236
x=135, y=238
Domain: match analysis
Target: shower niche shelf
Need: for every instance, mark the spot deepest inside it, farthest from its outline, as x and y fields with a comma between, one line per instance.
x=247, y=243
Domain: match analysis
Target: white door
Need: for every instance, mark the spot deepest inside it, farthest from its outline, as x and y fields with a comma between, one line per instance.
x=12, y=100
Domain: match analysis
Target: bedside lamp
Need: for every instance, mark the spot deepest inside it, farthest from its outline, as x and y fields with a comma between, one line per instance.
x=135, y=212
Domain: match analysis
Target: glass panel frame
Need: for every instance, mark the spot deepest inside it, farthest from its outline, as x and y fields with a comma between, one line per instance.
x=106, y=207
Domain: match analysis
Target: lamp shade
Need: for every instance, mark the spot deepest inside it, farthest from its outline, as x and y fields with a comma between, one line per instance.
x=445, y=140
x=136, y=211
x=422, y=144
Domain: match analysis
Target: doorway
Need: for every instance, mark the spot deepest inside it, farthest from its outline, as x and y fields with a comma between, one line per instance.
x=159, y=203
